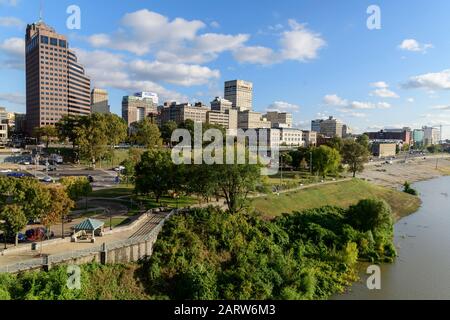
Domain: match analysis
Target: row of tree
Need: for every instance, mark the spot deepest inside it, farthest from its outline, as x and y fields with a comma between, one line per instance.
x=26, y=200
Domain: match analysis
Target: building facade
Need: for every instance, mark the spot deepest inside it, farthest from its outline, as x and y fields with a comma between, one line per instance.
x=384, y=150
x=252, y=120
x=310, y=138
x=404, y=135
x=315, y=125
x=240, y=93
x=418, y=137
x=331, y=128
x=150, y=95
x=179, y=113
x=279, y=119
x=227, y=119
x=56, y=85
x=221, y=105
x=99, y=101
x=431, y=136
x=291, y=137
x=135, y=109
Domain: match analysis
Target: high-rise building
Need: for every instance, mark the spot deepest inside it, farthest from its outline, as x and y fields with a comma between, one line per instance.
x=418, y=137
x=279, y=119
x=310, y=138
x=240, y=93
x=56, y=84
x=135, y=109
x=99, y=101
x=79, y=101
x=331, y=128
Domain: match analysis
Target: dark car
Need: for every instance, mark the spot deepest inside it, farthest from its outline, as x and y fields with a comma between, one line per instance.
x=11, y=238
x=91, y=179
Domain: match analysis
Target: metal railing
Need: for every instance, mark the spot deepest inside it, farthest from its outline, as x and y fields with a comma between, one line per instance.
x=77, y=254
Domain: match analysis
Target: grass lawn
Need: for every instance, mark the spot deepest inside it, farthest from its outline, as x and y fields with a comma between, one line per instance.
x=342, y=194
x=116, y=222
x=169, y=202
x=113, y=192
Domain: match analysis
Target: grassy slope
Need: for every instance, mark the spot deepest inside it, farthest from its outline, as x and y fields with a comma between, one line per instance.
x=342, y=194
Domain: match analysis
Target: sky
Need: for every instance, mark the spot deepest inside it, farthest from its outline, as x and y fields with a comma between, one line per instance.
x=313, y=58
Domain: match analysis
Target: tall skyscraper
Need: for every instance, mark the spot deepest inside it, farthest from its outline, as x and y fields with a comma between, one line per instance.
x=56, y=84
x=99, y=101
x=240, y=93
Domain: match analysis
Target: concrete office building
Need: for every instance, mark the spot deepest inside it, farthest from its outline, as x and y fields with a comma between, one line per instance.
x=3, y=134
x=279, y=119
x=291, y=137
x=431, y=136
x=331, y=128
x=272, y=137
x=135, y=109
x=240, y=93
x=227, y=119
x=252, y=120
x=99, y=101
x=55, y=82
x=384, y=150
x=221, y=105
x=310, y=138
x=179, y=113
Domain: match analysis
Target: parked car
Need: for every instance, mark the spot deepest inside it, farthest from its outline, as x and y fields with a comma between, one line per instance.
x=119, y=169
x=47, y=179
x=12, y=238
x=38, y=234
x=91, y=179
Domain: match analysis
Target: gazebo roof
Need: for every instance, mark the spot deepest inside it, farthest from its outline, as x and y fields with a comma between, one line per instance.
x=89, y=225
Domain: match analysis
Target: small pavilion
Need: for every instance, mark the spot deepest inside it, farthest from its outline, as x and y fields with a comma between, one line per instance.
x=88, y=228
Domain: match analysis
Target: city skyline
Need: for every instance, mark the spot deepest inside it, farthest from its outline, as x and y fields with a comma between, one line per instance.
x=306, y=60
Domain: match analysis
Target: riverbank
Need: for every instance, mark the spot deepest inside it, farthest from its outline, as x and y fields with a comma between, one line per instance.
x=414, y=170
x=342, y=194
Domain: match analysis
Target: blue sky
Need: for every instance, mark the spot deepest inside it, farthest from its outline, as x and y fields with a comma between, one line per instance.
x=313, y=58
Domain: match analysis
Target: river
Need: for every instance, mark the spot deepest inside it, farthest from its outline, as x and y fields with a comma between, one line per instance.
x=422, y=270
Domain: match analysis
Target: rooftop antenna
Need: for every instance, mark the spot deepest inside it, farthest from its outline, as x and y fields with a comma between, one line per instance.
x=41, y=12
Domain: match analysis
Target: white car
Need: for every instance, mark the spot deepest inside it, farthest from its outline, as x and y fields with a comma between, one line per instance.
x=47, y=180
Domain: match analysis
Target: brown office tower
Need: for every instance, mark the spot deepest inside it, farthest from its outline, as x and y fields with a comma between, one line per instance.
x=56, y=85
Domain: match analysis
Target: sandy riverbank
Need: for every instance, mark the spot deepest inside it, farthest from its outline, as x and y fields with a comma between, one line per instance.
x=418, y=169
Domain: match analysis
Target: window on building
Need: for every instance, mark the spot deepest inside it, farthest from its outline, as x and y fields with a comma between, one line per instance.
x=53, y=42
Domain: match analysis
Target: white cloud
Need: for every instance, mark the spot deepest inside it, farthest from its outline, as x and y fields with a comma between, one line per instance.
x=13, y=50
x=214, y=24
x=410, y=100
x=179, y=74
x=283, y=106
x=10, y=22
x=300, y=43
x=334, y=100
x=255, y=55
x=296, y=44
x=414, y=45
x=11, y=3
x=382, y=90
x=431, y=81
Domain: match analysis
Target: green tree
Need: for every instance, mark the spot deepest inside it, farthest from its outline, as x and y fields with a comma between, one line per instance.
x=146, y=133
x=354, y=155
x=326, y=160
x=156, y=174
x=46, y=134
x=370, y=215
x=363, y=140
x=14, y=220
x=130, y=170
x=32, y=196
x=67, y=128
x=58, y=209
x=166, y=131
